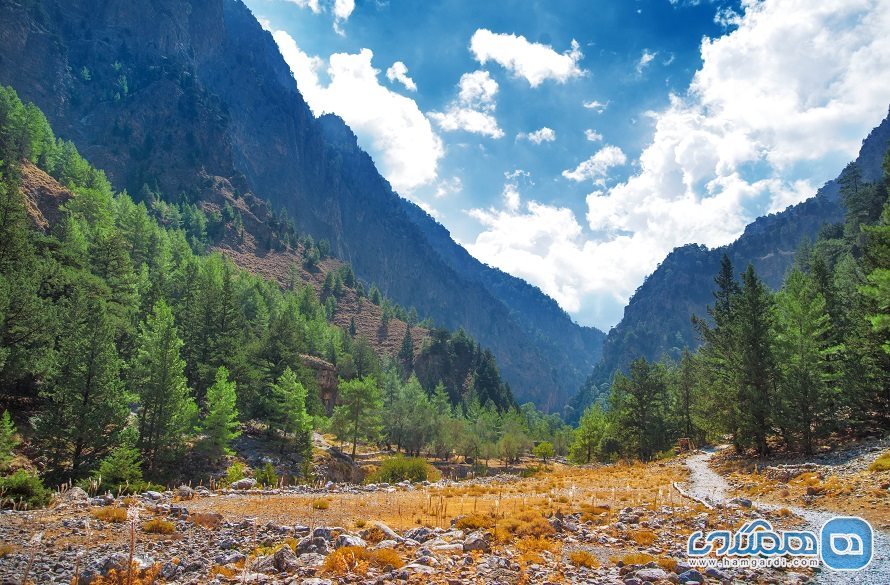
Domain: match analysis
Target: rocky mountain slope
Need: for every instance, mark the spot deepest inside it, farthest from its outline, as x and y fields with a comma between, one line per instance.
x=657, y=320
x=203, y=94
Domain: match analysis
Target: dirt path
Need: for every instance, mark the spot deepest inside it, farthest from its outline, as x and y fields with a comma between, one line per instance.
x=707, y=484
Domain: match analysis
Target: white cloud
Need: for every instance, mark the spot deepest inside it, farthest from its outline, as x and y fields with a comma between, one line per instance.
x=544, y=134
x=533, y=61
x=342, y=11
x=310, y=4
x=473, y=110
x=447, y=187
x=389, y=125
x=597, y=166
x=646, y=58
x=592, y=135
x=779, y=105
x=398, y=71
x=597, y=106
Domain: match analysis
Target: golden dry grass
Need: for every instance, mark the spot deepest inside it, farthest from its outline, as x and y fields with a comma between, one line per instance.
x=583, y=558
x=320, y=504
x=110, y=514
x=882, y=463
x=159, y=526
x=357, y=560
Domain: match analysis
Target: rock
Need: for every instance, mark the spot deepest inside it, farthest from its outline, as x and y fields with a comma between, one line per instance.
x=743, y=502
x=386, y=544
x=185, y=492
x=715, y=573
x=311, y=544
x=323, y=532
x=153, y=495
x=245, y=483
x=476, y=541
x=75, y=495
x=349, y=540
x=691, y=576
x=416, y=568
x=389, y=532
x=633, y=581
x=420, y=534
x=119, y=562
x=651, y=574
x=311, y=560
x=315, y=581
x=285, y=560
x=169, y=570
x=265, y=564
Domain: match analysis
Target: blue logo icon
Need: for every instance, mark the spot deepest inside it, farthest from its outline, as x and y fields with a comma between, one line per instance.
x=846, y=543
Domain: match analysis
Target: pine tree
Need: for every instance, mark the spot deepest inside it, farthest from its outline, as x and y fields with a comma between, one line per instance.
x=358, y=418
x=289, y=410
x=803, y=348
x=592, y=427
x=167, y=410
x=757, y=368
x=85, y=405
x=406, y=353
x=639, y=403
x=221, y=423
x=121, y=470
x=8, y=439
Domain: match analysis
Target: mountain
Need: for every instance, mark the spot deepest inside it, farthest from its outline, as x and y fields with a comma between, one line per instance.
x=657, y=320
x=186, y=98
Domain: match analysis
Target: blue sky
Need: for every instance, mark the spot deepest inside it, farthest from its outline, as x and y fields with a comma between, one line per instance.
x=575, y=143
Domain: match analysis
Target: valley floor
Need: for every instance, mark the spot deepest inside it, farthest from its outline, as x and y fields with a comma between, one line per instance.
x=622, y=523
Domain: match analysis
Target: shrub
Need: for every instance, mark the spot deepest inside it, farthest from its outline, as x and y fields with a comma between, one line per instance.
x=6, y=550
x=399, y=468
x=357, y=560
x=236, y=471
x=266, y=476
x=146, y=576
x=643, y=537
x=582, y=558
x=320, y=504
x=211, y=521
x=121, y=471
x=544, y=450
x=472, y=522
x=23, y=490
x=882, y=463
x=110, y=514
x=158, y=526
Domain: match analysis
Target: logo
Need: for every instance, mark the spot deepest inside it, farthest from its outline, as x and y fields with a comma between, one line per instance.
x=846, y=543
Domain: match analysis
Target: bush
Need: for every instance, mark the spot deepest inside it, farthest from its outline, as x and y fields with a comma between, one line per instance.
x=357, y=560
x=882, y=463
x=473, y=522
x=582, y=558
x=23, y=490
x=399, y=468
x=158, y=526
x=266, y=476
x=236, y=471
x=544, y=451
x=120, y=472
x=110, y=514
x=320, y=504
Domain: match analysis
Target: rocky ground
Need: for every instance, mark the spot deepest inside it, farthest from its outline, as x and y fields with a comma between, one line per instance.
x=612, y=524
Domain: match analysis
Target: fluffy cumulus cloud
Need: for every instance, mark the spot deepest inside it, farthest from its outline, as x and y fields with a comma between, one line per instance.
x=596, y=168
x=389, y=125
x=592, y=135
x=473, y=109
x=534, y=62
x=778, y=106
x=342, y=11
x=312, y=5
x=399, y=72
x=544, y=134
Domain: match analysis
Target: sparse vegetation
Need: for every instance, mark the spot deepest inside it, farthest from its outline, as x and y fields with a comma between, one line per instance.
x=356, y=560
x=583, y=558
x=23, y=490
x=320, y=504
x=110, y=514
x=399, y=468
x=882, y=463
x=159, y=526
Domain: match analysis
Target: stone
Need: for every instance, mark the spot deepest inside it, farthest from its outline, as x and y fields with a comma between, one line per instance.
x=75, y=495
x=715, y=573
x=285, y=560
x=311, y=544
x=476, y=541
x=185, y=492
x=153, y=495
x=245, y=483
x=349, y=540
x=691, y=576
x=420, y=534
x=651, y=574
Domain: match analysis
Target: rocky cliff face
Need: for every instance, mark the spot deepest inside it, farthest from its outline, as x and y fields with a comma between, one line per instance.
x=186, y=96
x=657, y=320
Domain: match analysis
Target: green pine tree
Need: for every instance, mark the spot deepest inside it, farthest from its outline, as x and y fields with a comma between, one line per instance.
x=358, y=418
x=221, y=422
x=8, y=439
x=289, y=410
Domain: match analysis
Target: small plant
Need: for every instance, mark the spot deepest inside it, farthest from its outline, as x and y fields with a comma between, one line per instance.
x=110, y=514
x=320, y=504
x=643, y=537
x=6, y=550
x=473, y=522
x=23, y=490
x=266, y=476
x=544, y=450
x=132, y=576
x=210, y=521
x=159, y=526
x=236, y=471
x=882, y=463
x=400, y=468
x=583, y=558
x=357, y=560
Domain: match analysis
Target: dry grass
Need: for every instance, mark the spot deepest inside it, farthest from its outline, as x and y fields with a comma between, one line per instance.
x=636, y=558
x=159, y=526
x=374, y=535
x=320, y=504
x=882, y=463
x=210, y=521
x=357, y=560
x=110, y=514
x=147, y=576
x=473, y=522
x=643, y=537
x=531, y=548
x=6, y=549
x=583, y=558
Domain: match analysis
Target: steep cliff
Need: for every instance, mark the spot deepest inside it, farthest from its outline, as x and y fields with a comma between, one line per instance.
x=186, y=96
